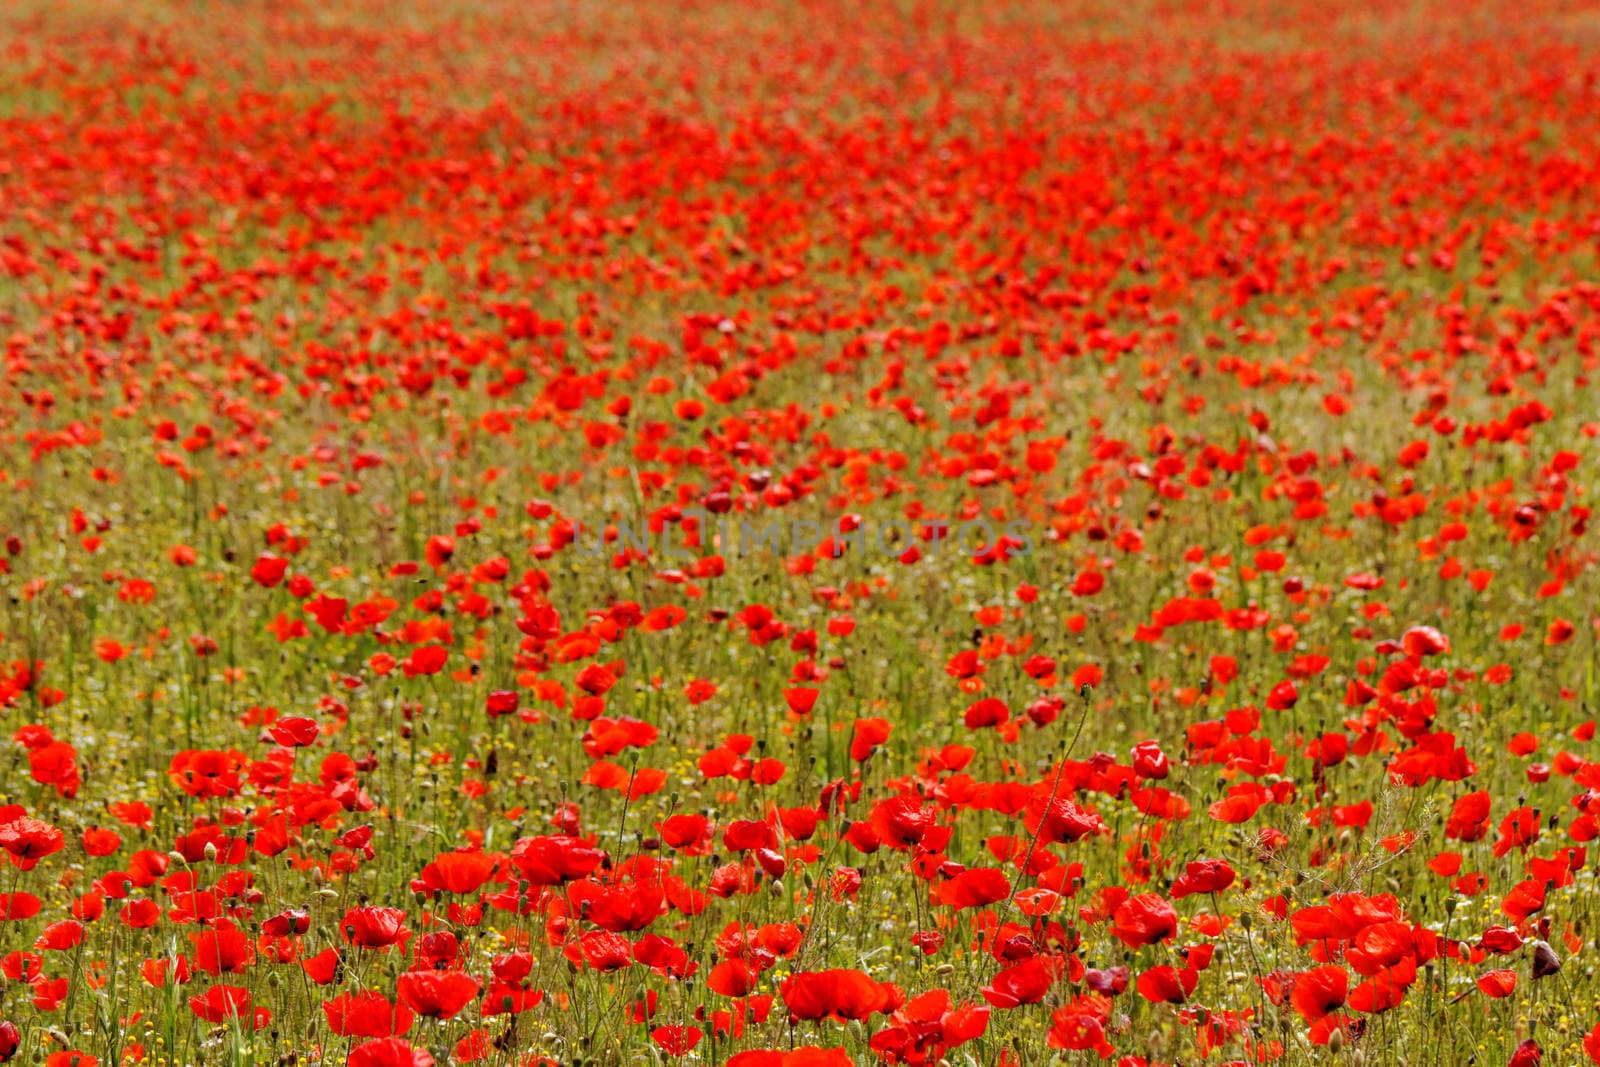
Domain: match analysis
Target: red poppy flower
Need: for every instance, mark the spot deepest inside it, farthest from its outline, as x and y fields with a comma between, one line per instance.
x=901, y=821
x=15, y=907
x=205, y=774
x=366, y=1014
x=927, y=1027
x=1144, y=920
x=222, y=950
x=1319, y=991
x=732, y=978
x=839, y=994
x=459, y=873
x=677, y=1040
x=973, y=888
x=1527, y=1054
x=225, y=1003
x=30, y=840
x=1497, y=984
x=1168, y=985
x=388, y=1052
x=1203, y=876
x=374, y=927
x=1024, y=983
x=555, y=859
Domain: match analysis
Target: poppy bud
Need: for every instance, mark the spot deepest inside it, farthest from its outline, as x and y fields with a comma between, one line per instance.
x=1545, y=960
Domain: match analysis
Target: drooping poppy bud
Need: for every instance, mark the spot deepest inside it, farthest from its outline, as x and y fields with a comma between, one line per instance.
x=1545, y=960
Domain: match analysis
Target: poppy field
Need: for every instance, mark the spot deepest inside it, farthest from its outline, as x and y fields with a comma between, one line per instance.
x=799, y=534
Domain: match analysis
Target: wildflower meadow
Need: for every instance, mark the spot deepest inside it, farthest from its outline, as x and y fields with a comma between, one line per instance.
x=799, y=533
